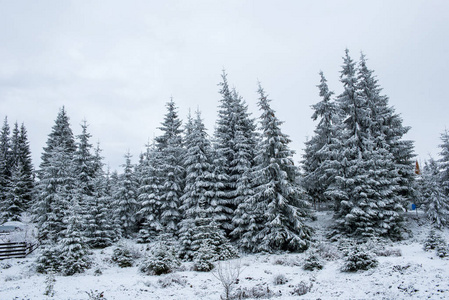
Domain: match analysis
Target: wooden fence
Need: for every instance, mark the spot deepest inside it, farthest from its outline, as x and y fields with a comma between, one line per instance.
x=16, y=250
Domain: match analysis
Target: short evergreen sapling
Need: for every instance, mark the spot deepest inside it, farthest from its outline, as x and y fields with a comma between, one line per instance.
x=122, y=256
x=204, y=258
x=161, y=260
x=359, y=258
x=313, y=262
x=433, y=240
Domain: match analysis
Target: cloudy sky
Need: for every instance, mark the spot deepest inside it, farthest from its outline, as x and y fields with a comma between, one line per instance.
x=116, y=63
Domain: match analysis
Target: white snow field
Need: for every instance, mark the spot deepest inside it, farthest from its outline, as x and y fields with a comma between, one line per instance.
x=416, y=274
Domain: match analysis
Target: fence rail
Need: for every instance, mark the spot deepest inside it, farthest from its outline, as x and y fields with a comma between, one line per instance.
x=16, y=250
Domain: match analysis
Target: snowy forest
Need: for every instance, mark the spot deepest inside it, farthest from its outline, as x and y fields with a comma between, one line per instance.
x=200, y=198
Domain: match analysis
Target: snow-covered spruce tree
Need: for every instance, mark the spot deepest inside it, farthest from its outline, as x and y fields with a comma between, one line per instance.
x=367, y=183
x=100, y=226
x=125, y=199
x=16, y=173
x=13, y=205
x=74, y=252
x=23, y=157
x=444, y=162
x=320, y=155
x=56, y=181
x=388, y=131
x=436, y=202
x=199, y=198
x=235, y=143
x=5, y=168
x=148, y=196
x=276, y=212
x=84, y=173
x=169, y=156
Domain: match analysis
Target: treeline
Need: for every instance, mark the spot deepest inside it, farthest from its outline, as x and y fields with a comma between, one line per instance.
x=238, y=189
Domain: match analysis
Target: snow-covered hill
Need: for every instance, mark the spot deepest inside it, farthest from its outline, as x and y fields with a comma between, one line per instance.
x=416, y=274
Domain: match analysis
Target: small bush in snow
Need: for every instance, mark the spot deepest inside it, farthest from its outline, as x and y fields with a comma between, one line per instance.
x=122, y=256
x=98, y=272
x=286, y=261
x=5, y=266
x=280, y=279
x=359, y=259
x=442, y=250
x=228, y=274
x=389, y=252
x=328, y=251
x=301, y=288
x=171, y=280
x=95, y=295
x=259, y=291
x=50, y=285
x=160, y=261
x=312, y=262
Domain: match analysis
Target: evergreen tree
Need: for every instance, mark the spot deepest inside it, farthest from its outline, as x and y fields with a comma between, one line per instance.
x=125, y=199
x=235, y=142
x=444, y=162
x=14, y=200
x=367, y=183
x=171, y=172
x=320, y=160
x=26, y=168
x=198, y=200
x=61, y=136
x=276, y=213
x=148, y=199
x=56, y=184
x=388, y=131
x=74, y=252
x=432, y=192
x=5, y=167
x=16, y=173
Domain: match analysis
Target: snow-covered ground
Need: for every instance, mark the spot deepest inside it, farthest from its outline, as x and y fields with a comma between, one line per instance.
x=416, y=274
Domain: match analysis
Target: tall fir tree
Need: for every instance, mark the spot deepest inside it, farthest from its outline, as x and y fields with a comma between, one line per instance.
x=199, y=201
x=444, y=162
x=56, y=183
x=388, y=131
x=169, y=156
x=235, y=142
x=5, y=168
x=367, y=183
x=150, y=204
x=276, y=213
x=27, y=169
x=125, y=199
x=320, y=155
x=17, y=174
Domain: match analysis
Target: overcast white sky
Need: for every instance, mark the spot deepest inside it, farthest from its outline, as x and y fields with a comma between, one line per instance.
x=116, y=63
